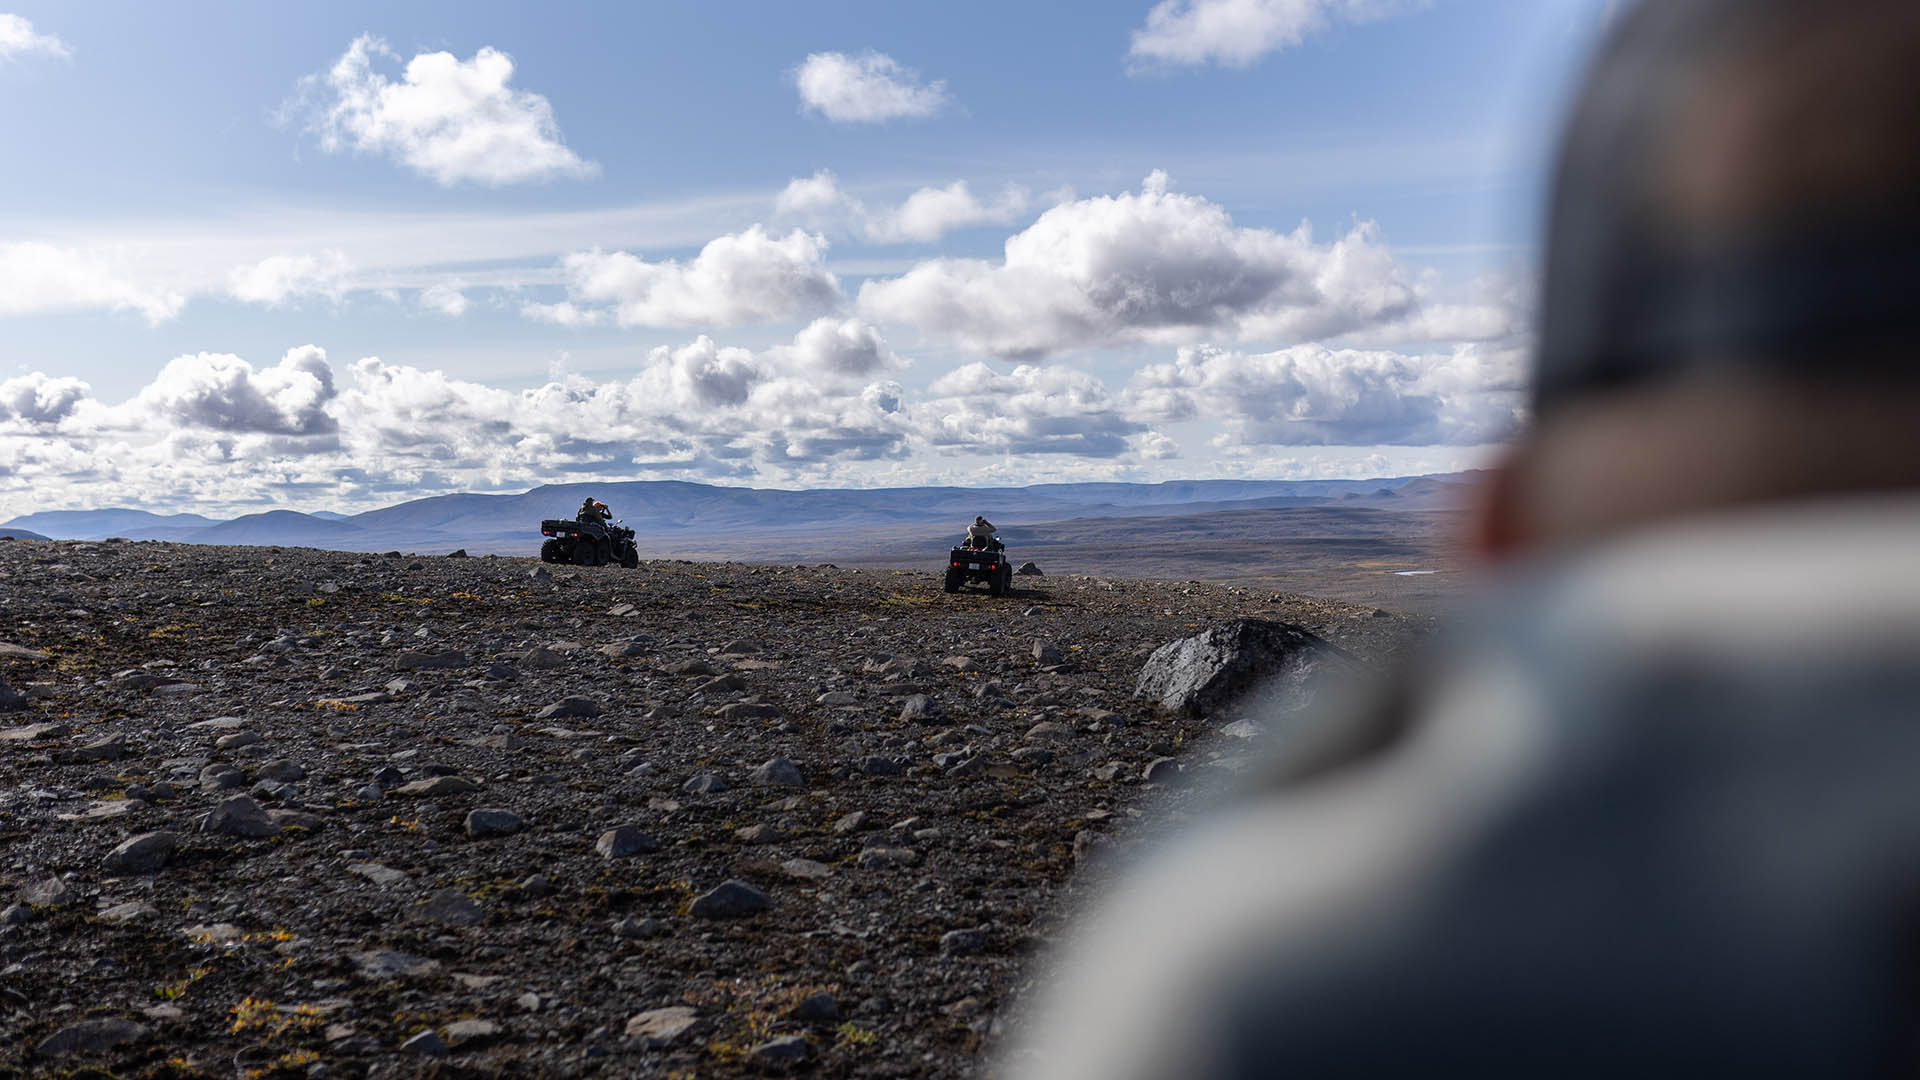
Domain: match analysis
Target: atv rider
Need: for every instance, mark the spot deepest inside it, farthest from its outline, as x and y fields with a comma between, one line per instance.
x=593, y=513
x=980, y=536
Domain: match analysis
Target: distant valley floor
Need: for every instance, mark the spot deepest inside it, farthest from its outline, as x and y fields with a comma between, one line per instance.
x=1407, y=560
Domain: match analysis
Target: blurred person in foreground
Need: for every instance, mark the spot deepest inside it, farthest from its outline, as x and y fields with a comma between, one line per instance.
x=1655, y=806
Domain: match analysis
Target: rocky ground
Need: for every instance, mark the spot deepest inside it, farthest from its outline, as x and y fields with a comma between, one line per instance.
x=277, y=812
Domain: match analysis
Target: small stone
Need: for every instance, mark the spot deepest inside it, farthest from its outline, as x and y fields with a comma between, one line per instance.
x=749, y=710
x=1033, y=755
x=111, y=748
x=1029, y=570
x=836, y=699
x=383, y=876
x=493, y=821
x=269, y=791
x=631, y=927
x=881, y=766
x=16, y=915
x=817, y=1008
x=470, y=1034
x=437, y=786
x=1246, y=728
x=1161, y=771
x=624, y=842
x=721, y=684
x=450, y=907
x=1049, y=731
x=656, y=1028
x=778, y=772
x=963, y=942
x=757, y=834
x=426, y=1044
x=852, y=823
x=282, y=770
x=432, y=661
x=239, y=739
x=142, y=854
x=875, y=858
x=729, y=900
x=1088, y=844
x=540, y=658
x=1044, y=653
x=781, y=1052
x=569, y=706
x=219, y=776
x=805, y=869
x=704, y=784
x=919, y=709
x=129, y=911
x=386, y=963
x=239, y=816
x=91, y=1037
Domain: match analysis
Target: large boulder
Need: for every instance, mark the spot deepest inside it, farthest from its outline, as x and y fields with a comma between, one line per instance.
x=1214, y=671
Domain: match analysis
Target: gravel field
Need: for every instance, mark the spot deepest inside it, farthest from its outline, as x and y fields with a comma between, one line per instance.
x=286, y=812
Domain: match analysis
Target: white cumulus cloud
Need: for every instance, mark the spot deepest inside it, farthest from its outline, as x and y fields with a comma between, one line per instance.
x=1235, y=33
x=749, y=276
x=830, y=346
x=1029, y=410
x=38, y=398
x=278, y=279
x=448, y=119
x=223, y=393
x=37, y=277
x=445, y=298
x=865, y=89
x=926, y=215
x=1152, y=266
x=18, y=37
x=1312, y=395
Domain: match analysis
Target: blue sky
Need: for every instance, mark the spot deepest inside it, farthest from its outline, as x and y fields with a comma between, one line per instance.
x=263, y=255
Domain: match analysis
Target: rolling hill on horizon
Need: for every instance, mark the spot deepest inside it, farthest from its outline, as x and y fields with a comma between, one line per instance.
x=679, y=513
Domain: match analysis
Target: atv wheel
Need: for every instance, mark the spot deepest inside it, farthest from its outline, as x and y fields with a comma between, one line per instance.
x=583, y=552
x=952, y=584
x=629, y=558
x=602, y=553
x=997, y=584
x=553, y=551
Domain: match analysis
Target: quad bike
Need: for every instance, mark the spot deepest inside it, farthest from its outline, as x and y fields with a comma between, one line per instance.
x=980, y=564
x=587, y=543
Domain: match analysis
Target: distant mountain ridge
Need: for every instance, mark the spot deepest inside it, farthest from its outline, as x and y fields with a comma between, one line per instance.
x=672, y=512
